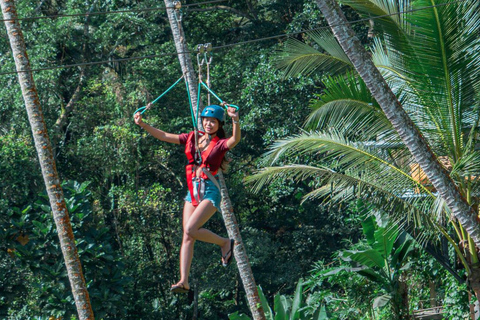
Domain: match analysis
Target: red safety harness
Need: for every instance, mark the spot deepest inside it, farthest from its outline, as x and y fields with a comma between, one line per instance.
x=196, y=185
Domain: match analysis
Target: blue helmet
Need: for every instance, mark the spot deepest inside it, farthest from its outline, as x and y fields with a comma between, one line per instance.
x=214, y=111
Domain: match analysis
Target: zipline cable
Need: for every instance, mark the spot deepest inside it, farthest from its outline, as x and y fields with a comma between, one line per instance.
x=228, y=45
x=110, y=12
x=348, y=23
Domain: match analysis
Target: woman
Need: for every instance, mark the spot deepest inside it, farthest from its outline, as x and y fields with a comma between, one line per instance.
x=203, y=198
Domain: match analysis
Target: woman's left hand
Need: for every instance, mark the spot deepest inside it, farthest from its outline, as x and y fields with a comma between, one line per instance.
x=232, y=113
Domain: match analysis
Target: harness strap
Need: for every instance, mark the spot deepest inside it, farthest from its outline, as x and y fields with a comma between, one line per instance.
x=211, y=177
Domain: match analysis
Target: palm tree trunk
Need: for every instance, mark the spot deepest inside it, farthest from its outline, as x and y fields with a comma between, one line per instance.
x=399, y=118
x=47, y=162
x=226, y=206
x=241, y=257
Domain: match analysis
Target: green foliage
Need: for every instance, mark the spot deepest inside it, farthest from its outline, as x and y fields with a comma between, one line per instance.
x=384, y=261
x=19, y=164
x=456, y=300
x=34, y=250
x=127, y=221
x=286, y=308
x=350, y=151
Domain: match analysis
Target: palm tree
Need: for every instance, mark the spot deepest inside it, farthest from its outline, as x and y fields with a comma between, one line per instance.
x=47, y=162
x=429, y=57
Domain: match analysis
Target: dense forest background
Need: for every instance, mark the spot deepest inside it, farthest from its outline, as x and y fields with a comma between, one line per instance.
x=124, y=189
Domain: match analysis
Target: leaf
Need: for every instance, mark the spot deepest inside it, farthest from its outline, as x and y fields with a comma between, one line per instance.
x=335, y=271
x=369, y=258
x=300, y=58
x=280, y=307
x=40, y=226
x=369, y=227
x=266, y=308
x=45, y=208
x=321, y=313
x=381, y=301
x=374, y=276
x=287, y=305
x=297, y=301
x=385, y=239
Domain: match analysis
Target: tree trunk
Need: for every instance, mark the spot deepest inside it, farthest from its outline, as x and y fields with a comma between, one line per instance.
x=400, y=120
x=433, y=294
x=241, y=257
x=47, y=162
x=226, y=206
x=403, y=293
x=474, y=282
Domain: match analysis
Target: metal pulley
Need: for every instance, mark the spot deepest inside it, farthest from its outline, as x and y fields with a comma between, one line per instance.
x=177, y=5
x=200, y=48
x=208, y=56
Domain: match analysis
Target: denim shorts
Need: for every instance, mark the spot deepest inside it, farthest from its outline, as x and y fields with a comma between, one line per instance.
x=211, y=193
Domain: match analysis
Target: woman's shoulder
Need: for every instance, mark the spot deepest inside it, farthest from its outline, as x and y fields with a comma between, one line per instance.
x=183, y=137
x=222, y=144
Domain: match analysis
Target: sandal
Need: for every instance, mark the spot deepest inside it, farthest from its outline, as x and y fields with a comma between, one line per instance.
x=179, y=288
x=229, y=259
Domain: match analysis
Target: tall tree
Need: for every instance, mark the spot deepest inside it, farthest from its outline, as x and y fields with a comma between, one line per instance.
x=431, y=66
x=47, y=162
x=400, y=120
x=246, y=274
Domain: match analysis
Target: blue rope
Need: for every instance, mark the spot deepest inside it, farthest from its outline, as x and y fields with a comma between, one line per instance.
x=144, y=108
x=198, y=99
x=191, y=106
x=218, y=98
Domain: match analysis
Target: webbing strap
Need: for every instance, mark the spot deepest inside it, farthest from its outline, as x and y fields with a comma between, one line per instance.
x=191, y=106
x=144, y=108
x=211, y=177
x=218, y=98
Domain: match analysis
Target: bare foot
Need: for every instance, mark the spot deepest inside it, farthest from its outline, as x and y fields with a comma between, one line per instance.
x=180, y=287
x=227, y=252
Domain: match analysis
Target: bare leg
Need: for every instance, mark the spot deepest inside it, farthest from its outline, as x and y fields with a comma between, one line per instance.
x=193, y=220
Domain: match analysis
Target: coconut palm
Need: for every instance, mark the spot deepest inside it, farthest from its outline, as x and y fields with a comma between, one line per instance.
x=428, y=54
x=47, y=162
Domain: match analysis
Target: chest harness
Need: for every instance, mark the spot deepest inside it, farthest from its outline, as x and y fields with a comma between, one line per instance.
x=196, y=185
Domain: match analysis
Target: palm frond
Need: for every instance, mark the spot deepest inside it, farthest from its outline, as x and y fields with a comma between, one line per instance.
x=361, y=158
x=447, y=72
x=393, y=21
x=300, y=58
x=467, y=166
x=295, y=173
x=337, y=187
x=348, y=106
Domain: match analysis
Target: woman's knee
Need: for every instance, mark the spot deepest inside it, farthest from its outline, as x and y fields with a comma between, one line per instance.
x=190, y=233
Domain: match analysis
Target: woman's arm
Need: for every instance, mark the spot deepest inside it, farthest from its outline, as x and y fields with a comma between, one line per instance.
x=236, y=135
x=159, y=134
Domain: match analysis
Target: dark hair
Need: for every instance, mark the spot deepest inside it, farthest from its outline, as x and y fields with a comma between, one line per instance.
x=221, y=135
x=220, y=131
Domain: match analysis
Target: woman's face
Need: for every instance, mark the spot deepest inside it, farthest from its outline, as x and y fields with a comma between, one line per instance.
x=210, y=125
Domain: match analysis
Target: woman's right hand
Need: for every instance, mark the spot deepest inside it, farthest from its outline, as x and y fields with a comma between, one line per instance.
x=138, y=119
x=138, y=116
